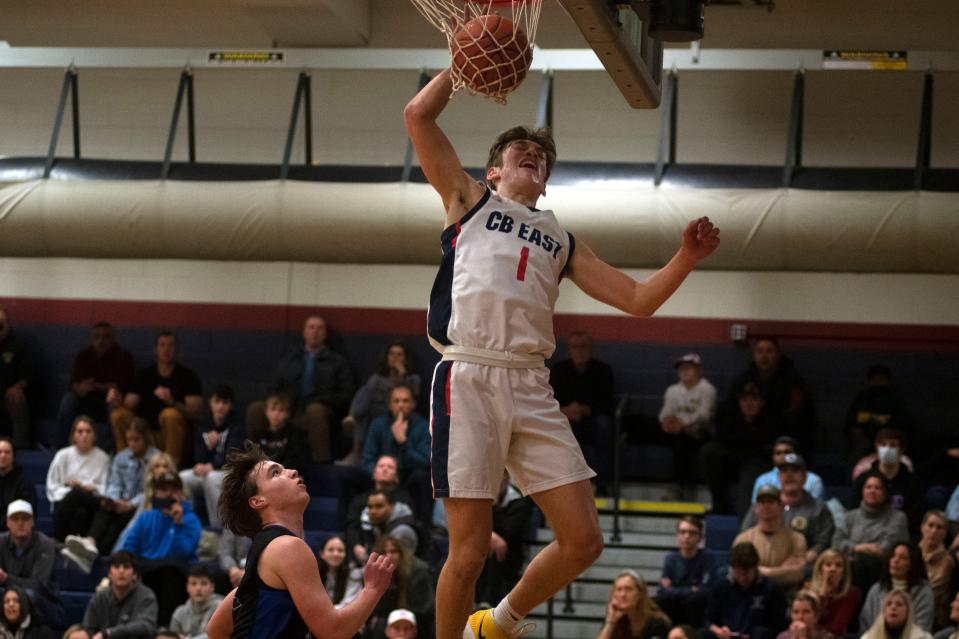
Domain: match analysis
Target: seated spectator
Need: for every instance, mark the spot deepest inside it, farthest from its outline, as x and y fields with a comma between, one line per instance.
x=217, y=434
x=342, y=579
x=688, y=574
x=373, y=398
x=875, y=407
x=124, y=492
x=401, y=624
x=164, y=539
x=804, y=618
x=744, y=439
x=802, y=513
x=159, y=465
x=102, y=373
x=404, y=434
x=126, y=608
x=75, y=480
x=683, y=631
x=952, y=630
x=412, y=589
x=384, y=516
x=891, y=438
x=868, y=533
x=231, y=560
x=76, y=631
x=904, y=571
x=507, y=544
x=747, y=603
x=282, y=441
x=17, y=381
x=13, y=484
x=904, y=491
x=896, y=620
x=167, y=394
x=20, y=619
x=839, y=600
x=781, y=447
x=630, y=611
x=686, y=418
x=786, y=399
x=782, y=551
x=189, y=620
x=319, y=383
x=939, y=564
x=584, y=388
x=385, y=477
x=27, y=562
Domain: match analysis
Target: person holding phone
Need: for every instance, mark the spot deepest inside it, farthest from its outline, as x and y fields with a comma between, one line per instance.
x=164, y=539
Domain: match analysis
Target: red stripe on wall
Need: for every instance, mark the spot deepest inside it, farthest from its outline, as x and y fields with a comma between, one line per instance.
x=406, y=322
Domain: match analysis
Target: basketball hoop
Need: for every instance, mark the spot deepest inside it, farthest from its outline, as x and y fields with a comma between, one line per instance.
x=487, y=62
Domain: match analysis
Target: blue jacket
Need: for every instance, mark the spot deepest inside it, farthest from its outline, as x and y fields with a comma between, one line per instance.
x=699, y=571
x=126, y=475
x=414, y=454
x=155, y=536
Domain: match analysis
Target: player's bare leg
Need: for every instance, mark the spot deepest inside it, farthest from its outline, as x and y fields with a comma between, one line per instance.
x=470, y=524
x=578, y=541
x=571, y=512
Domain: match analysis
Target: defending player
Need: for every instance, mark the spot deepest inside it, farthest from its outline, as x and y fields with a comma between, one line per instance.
x=491, y=314
x=281, y=595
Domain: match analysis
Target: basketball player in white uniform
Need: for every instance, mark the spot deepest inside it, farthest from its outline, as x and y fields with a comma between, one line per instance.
x=491, y=314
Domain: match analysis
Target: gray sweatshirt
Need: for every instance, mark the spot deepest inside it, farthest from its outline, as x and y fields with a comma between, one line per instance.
x=923, y=607
x=134, y=616
x=190, y=619
x=865, y=525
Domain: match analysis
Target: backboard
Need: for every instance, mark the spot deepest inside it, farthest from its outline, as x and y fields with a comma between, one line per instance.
x=618, y=31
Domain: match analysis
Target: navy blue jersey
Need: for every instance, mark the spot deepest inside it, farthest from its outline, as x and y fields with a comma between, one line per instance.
x=259, y=611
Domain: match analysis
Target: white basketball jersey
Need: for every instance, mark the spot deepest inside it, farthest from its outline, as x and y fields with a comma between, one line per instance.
x=499, y=278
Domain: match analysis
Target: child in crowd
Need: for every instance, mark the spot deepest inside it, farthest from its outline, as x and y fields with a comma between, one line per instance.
x=804, y=617
x=282, y=441
x=190, y=619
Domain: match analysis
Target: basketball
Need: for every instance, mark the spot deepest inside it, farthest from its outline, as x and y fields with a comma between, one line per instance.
x=490, y=55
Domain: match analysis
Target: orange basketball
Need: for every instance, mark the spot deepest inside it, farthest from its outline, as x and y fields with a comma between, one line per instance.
x=490, y=55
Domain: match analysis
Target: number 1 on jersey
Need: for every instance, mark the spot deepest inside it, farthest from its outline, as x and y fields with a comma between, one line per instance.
x=521, y=269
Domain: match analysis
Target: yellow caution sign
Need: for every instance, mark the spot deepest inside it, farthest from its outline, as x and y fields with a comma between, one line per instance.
x=245, y=58
x=865, y=60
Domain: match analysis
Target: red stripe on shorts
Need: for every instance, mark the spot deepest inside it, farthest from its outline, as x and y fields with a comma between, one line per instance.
x=449, y=379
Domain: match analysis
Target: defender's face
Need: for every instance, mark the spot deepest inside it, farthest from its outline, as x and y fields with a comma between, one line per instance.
x=280, y=487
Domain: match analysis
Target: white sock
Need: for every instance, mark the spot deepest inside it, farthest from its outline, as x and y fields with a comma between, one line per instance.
x=505, y=617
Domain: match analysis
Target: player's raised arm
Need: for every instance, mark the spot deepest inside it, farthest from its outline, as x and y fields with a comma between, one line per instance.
x=437, y=156
x=607, y=284
x=290, y=559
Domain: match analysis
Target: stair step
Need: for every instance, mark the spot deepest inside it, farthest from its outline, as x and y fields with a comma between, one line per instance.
x=652, y=506
x=652, y=540
x=624, y=557
x=567, y=628
x=580, y=608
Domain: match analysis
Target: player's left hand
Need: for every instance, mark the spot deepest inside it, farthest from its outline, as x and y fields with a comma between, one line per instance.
x=700, y=238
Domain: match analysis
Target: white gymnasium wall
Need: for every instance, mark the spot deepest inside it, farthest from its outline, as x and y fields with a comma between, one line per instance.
x=852, y=119
x=812, y=297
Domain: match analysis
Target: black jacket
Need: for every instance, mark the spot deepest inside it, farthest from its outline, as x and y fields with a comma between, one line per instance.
x=333, y=383
x=15, y=486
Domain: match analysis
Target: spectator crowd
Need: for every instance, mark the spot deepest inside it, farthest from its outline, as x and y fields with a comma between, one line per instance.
x=136, y=478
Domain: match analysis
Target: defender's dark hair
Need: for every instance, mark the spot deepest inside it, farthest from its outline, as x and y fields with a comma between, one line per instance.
x=238, y=486
x=542, y=137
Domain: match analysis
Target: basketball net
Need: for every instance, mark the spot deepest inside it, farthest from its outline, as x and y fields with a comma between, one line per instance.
x=449, y=16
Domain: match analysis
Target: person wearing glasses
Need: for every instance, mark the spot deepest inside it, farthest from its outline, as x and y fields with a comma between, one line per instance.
x=688, y=573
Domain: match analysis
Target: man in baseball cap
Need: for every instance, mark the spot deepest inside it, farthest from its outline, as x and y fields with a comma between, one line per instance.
x=27, y=560
x=401, y=624
x=686, y=421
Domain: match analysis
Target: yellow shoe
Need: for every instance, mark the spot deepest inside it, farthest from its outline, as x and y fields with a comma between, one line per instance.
x=480, y=625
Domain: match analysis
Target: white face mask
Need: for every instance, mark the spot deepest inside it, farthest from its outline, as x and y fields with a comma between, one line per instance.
x=888, y=455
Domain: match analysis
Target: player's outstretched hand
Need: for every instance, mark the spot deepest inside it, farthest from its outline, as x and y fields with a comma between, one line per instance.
x=378, y=573
x=700, y=238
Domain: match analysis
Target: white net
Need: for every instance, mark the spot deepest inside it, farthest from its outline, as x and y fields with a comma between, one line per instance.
x=485, y=62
